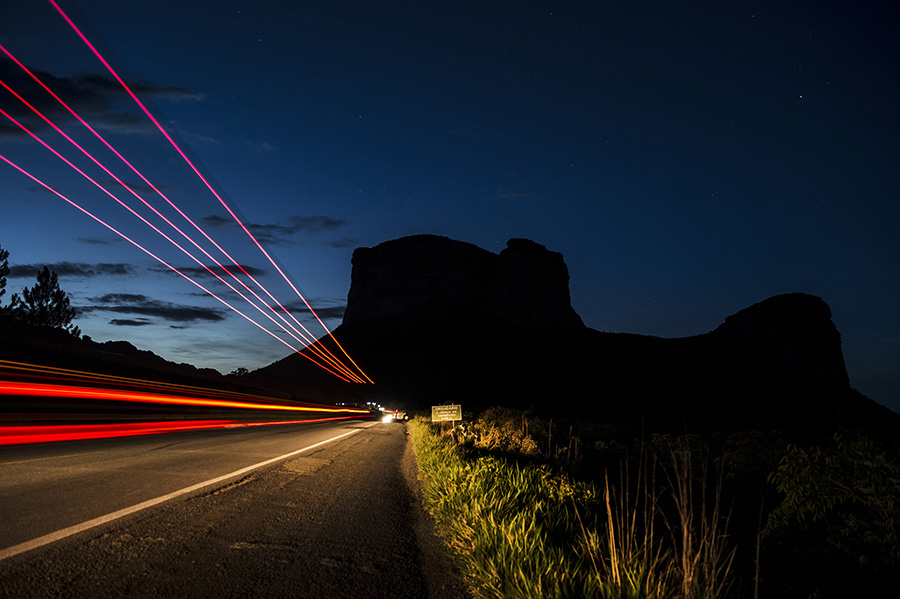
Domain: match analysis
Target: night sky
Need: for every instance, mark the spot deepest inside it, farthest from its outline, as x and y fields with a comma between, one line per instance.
x=687, y=159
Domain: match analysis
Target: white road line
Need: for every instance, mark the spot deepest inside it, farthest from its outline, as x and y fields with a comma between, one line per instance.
x=54, y=457
x=65, y=532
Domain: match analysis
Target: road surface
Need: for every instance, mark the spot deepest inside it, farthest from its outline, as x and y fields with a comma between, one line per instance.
x=331, y=512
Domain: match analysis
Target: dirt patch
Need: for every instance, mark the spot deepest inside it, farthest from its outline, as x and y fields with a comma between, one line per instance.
x=305, y=466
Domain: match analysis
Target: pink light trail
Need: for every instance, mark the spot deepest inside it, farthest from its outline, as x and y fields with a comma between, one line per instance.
x=203, y=179
x=303, y=339
x=310, y=343
x=170, y=240
x=160, y=260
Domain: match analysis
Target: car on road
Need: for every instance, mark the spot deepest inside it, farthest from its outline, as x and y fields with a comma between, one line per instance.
x=395, y=416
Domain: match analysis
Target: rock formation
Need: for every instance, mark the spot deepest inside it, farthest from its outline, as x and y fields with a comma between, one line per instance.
x=794, y=329
x=426, y=278
x=432, y=320
x=530, y=288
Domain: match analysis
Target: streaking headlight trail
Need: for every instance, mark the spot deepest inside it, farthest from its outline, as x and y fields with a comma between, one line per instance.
x=22, y=435
x=31, y=384
x=64, y=391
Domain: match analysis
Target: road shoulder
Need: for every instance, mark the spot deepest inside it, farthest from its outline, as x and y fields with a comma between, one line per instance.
x=441, y=574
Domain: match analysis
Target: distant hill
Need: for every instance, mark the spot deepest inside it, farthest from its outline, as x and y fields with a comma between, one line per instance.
x=431, y=320
x=54, y=347
x=20, y=342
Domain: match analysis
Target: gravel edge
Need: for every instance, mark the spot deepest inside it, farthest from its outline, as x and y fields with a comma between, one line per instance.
x=441, y=574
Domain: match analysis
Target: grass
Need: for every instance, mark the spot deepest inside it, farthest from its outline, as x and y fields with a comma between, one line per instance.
x=508, y=523
x=521, y=530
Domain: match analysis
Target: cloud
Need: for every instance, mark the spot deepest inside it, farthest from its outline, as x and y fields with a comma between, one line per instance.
x=112, y=298
x=98, y=99
x=331, y=312
x=199, y=272
x=10, y=199
x=275, y=234
x=170, y=93
x=127, y=322
x=217, y=222
x=99, y=241
x=326, y=308
x=260, y=146
x=340, y=244
x=38, y=189
x=315, y=224
x=143, y=306
x=72, y=269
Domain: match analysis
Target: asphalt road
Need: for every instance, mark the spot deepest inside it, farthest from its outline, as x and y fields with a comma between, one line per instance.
x=336, y=518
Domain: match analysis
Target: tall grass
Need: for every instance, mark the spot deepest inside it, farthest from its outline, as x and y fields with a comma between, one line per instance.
x=700, y=530
x=636, y=562
x=522, y=531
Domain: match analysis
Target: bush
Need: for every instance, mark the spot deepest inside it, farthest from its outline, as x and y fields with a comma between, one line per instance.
x=853, y=490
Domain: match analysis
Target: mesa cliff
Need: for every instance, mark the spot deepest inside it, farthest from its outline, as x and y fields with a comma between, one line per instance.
x=425, y=278
x=794, y=330
x=432, y=319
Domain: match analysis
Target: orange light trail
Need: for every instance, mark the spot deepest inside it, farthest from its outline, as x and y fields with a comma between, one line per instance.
x=205, y=182
x=20, y=435
x=140, y=391
x=26, y=389
x=24, y=370
x=70, y=375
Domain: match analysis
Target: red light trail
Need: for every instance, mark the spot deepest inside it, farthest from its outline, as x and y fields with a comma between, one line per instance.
x=24, y=370
x=334, y=365
x=20, y=435
x=21, y=370
x=78, y=386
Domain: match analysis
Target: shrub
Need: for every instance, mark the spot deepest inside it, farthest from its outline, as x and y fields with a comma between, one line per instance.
x=853, y=489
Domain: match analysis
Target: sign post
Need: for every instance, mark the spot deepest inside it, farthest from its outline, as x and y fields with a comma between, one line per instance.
x=446, y=413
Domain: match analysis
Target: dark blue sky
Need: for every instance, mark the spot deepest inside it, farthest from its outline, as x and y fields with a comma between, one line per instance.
x=688, y=159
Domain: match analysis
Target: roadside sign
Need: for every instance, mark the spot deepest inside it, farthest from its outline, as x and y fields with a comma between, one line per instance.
x=445, y=413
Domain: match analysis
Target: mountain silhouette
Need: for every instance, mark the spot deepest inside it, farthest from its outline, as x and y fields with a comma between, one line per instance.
x=433, y=320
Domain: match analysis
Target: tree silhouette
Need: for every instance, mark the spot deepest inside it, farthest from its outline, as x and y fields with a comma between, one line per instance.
x=45, y=304
x=4, y=272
